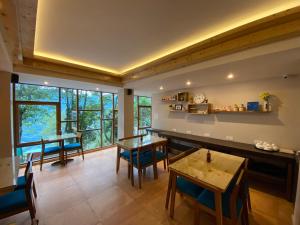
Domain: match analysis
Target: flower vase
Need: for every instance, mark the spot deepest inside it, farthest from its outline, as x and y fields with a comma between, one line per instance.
x=266, y=106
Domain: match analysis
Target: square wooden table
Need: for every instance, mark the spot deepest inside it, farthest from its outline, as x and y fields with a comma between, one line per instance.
x=214, y=176
x=138, y=143
x=9, y=170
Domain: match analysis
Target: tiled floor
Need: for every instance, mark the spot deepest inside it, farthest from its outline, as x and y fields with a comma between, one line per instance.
x=89, y=192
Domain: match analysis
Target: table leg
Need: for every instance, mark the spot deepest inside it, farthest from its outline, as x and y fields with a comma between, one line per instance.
x=131, y=168
x=118, y=159
x=168, y=191
x=218, y=204
x=173, y=194
x=154, y=162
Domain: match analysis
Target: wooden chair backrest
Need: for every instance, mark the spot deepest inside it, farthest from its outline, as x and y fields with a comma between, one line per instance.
x=237, y=192
x=131, y=137
x=28, y=191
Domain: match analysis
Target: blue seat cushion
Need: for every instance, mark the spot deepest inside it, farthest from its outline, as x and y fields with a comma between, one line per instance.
x=12, y=201
x=72, y=146
x=145, y=157
x=21, y=183
x=207, y=198
x=52, y=149
x=188, y=187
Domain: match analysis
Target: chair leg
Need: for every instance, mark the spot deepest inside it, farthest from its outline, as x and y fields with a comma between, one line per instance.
x=129, y=171
x=66, y=159
x=248, y=201
x=82, y=153
x=144, y=171
x=41, y=162
x=34, y=190
x=197, y=215
x=140, y=177
x=165, y=164
x=131, y=175
x=118, y=161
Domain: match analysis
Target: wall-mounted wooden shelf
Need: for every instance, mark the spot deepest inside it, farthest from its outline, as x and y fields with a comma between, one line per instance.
x=199, y=109
x=240, y=112
x=182, y=111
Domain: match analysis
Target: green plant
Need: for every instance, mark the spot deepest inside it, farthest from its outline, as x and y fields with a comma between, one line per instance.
x=265, y=96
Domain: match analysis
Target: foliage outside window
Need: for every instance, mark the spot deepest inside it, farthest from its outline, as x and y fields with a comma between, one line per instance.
x=42, y=111
x=142, y=114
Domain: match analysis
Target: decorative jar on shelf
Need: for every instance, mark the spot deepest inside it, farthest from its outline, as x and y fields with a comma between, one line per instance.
x=266, y=106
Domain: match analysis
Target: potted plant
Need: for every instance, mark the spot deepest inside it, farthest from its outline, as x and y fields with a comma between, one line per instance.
x=265, y=96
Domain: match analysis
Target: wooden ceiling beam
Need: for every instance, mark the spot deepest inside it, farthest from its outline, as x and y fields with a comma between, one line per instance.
x=40, y=67
x=280, y=26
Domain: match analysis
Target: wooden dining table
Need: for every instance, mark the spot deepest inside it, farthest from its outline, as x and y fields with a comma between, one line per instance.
x=141, y=143
x=9, y=170
x=214, y=176
x=60, y=138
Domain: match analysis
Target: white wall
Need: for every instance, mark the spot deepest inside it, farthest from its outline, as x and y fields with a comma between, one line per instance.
x=282, y=126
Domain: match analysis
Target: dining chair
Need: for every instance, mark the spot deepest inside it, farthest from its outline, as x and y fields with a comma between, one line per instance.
x=19, y=201
x=74, y=146
x=141, y=158
x=46, y=151
x=234, y=203
x=21, y=182
x=184, y=187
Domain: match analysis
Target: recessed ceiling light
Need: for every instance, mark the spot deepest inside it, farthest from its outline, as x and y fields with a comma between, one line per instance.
x=46, y=82
x=161, y=88
x=230, y=76
x=188, y=83
x=97, y=89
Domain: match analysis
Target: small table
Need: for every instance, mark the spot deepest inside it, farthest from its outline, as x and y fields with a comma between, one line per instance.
x=214, y=176
x=140, y=143
x=9, y=170
x=59, y=138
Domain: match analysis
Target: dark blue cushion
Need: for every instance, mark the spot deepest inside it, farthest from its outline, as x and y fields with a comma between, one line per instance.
x=207, y=198
x=12, y=201
x=188, y=187
x=126, y=154
x=72, y=146
x=52, y=149
x=21, y=183
x=145, y=157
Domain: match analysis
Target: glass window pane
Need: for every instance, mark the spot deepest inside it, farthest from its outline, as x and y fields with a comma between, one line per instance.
x=23, y=151
x=107, y=132
x=89, y=120
x=116, y=130
x=107, y=99
x=91, y=139
x=68, y=127
x=116, y=101
x=135, y=114
x=145, y=117
x=36, y=121
x=145, y=101
x=89, y=100
x=68, y=104
x=28, y=92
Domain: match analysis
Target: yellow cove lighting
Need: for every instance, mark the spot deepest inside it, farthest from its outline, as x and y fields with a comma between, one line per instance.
x=223, y=28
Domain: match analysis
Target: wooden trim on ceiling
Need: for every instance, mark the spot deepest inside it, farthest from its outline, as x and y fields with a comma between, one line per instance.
x=9, y=29
x=39, y=67
x=280, y=26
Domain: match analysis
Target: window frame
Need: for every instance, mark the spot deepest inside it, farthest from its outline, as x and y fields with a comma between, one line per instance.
x=59, y=121
x=138, y=112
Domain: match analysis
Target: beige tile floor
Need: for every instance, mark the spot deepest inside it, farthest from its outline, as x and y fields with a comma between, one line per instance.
x=89, y=192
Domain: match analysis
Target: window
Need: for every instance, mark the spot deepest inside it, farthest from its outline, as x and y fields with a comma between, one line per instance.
x=142, y=114
x=44, y=110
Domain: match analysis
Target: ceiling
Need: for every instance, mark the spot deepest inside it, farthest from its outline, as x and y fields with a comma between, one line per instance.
x=273, y=60
x=117, y=36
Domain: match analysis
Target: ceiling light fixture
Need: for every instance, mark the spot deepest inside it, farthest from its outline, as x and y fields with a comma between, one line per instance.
x=97, y=89
x=161, y=88
x=230, y=76
x=46, y=82
x=188, y=83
